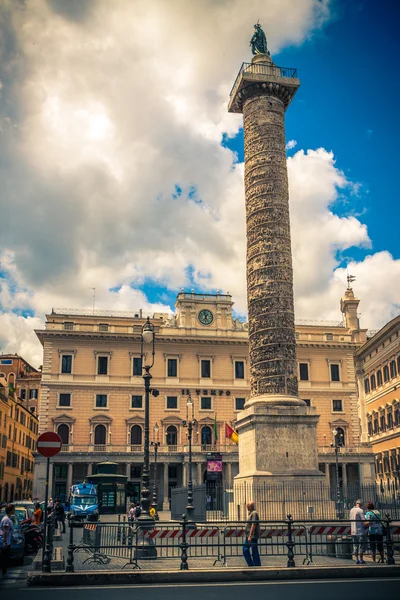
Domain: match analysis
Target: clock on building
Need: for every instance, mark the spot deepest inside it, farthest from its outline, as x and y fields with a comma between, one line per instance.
x=205, y=317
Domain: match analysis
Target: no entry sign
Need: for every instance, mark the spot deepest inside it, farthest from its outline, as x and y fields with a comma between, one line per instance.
x=49, y=444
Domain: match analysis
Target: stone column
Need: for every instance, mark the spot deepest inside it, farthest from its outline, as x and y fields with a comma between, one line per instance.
x=165, y=505
x=327, y=474
x=128, y=470
x=277, y=431
x=69, y=475
x=344, y=476
x=228, y=474
x=185, y=474
x=89, y=469
x=199, y=473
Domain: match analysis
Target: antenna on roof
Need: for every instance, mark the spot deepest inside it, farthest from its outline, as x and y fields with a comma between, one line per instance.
x=94, y=296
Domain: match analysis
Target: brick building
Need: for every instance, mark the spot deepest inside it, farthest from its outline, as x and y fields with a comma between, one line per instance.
x=19, y=428
x=22, y=379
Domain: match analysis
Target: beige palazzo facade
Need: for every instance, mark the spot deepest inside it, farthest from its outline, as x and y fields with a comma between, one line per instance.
x=92, y=391
x=378, y=378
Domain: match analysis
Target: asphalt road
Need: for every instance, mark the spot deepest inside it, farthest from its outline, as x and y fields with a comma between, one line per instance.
x=365, y=589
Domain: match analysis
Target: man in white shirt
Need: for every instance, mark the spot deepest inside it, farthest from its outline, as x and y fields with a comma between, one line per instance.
x=358, y=532
x=6, y=533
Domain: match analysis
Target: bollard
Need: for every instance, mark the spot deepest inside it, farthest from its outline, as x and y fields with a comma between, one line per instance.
x=124, y=532
x=389, y=542
x=49, y=546
x=184, y=545
x=290, y=543
x=119, y=529
x=70, y=559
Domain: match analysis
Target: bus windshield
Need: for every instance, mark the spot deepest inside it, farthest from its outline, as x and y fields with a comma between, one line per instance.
x=88, y=500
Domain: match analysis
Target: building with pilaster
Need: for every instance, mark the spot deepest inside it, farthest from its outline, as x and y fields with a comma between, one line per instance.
x=92, y=391
x=378, y=380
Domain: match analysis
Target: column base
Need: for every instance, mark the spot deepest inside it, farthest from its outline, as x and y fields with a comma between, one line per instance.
x=277, y=440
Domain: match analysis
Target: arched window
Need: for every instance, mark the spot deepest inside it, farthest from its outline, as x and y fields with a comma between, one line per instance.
x=398, y=364
x=385, y=373
x=393, y=372
x=379, y=377
x=11, y=379
x=136, y=435
x=369, y=420
x=100, y=434
x=340, y=436
x=172, y=435
x=366, y=386
x=63, y=432
x=373, y=382
x=206, y=436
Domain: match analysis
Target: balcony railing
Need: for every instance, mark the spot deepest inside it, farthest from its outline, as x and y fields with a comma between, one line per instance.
x=265, y=69
x=137, y=448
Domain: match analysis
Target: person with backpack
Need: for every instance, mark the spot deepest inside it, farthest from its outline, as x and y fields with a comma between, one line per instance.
x=138, y=510
x=375, y=531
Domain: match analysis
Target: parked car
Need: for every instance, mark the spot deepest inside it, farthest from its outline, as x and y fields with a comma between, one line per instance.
x=23, y=513
x=18, y=540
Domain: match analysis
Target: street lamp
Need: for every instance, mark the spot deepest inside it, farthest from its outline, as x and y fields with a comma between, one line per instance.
x=147, y=548
x=336, y=445
x=190, y=423
x=156, y=445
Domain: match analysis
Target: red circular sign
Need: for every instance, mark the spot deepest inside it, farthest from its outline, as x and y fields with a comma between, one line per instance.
x=49, y=444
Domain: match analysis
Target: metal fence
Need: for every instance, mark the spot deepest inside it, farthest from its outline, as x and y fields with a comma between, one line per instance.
x=136, y=543
x=302, y=501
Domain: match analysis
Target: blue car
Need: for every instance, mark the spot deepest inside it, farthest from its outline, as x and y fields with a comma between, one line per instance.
x=18, y=540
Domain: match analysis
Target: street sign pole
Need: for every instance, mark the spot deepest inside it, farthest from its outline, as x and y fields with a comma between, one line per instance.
x=48, y=444
x=46, y=501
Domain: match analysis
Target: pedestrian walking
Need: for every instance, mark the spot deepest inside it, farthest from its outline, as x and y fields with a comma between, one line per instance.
x=375, y=531
x=358, y=532
x=37, y=515
x=6, y=534
x=59, y=515
x=252, y=535
x=131, y=514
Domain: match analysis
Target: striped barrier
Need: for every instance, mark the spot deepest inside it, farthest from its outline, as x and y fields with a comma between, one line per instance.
x=168, y=534
x=265, y=533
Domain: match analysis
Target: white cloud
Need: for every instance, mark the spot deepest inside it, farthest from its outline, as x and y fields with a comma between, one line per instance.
x=109, y=107
x=291, y=144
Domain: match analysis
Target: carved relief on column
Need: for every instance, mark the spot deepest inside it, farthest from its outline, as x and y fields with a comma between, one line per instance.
x=269, y=257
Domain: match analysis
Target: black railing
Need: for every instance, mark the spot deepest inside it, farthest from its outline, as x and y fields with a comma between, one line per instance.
x=265, y=69
x=285, y=543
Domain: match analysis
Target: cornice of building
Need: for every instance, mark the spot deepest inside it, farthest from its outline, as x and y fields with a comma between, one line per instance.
x=382, y=334
x=42, y=334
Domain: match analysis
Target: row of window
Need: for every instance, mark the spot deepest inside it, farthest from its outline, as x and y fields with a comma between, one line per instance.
x=387, y=463
x=103, y=365
x=136, y=435
x=387, y=418
x=171, y=402
x=19, y=437
x=382, y=376
x=19, y=415
x=304, y=374
x=32, y=393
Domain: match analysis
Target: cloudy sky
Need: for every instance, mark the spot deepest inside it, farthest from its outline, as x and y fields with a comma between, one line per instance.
x=121, y=169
